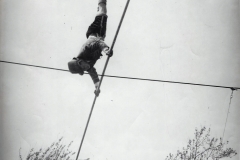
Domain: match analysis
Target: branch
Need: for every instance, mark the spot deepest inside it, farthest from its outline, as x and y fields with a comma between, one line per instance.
x=207, y=150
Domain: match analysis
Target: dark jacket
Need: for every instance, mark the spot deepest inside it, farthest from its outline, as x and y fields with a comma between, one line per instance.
x=90, y=53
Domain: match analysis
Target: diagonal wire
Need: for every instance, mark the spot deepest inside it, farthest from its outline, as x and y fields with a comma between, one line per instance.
x=105, y=67
x=229, y=105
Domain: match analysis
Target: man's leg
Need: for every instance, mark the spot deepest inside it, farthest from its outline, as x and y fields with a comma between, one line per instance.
x=99, y=26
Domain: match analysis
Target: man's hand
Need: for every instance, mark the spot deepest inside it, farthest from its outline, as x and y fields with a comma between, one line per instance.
x=97, y=92
x=110, y=54
x=107, y=51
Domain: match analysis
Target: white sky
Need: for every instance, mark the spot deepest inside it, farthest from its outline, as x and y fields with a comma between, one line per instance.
x=176, y=40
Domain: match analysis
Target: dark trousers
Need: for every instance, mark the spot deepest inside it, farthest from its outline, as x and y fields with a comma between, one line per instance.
x=98, y=27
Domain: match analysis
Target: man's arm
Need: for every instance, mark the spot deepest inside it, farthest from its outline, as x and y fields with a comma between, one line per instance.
x=93, y=73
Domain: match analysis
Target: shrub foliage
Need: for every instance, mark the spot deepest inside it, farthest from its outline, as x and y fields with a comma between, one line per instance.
x=56, y=151
x=203, y=147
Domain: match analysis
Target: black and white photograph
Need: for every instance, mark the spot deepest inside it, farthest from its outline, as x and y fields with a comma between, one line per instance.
x=119, y=79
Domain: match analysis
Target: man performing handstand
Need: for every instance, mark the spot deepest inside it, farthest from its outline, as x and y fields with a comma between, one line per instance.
x=92, y=49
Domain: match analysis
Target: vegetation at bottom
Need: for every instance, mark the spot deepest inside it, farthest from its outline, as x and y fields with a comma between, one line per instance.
x=57, y=151
x=203, y=147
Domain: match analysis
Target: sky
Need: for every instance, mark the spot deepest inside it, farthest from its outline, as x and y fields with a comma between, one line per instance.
x=188, y=41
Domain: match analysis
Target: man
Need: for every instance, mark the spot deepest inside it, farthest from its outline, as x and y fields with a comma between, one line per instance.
x=92, y=49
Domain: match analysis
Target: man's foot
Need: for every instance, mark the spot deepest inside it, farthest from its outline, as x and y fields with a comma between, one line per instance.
x=102, y=1
x=102, y=9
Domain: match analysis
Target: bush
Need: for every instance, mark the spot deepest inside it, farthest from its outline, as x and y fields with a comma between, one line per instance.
x=56, y=151
x=202, y=147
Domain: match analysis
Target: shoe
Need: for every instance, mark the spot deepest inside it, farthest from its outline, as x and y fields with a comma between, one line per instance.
x=102, y=1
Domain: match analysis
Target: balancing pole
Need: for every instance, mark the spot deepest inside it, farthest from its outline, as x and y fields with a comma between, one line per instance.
x=113, y=43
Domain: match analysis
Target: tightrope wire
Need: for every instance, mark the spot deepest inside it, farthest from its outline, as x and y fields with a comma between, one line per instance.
x=131, y=78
